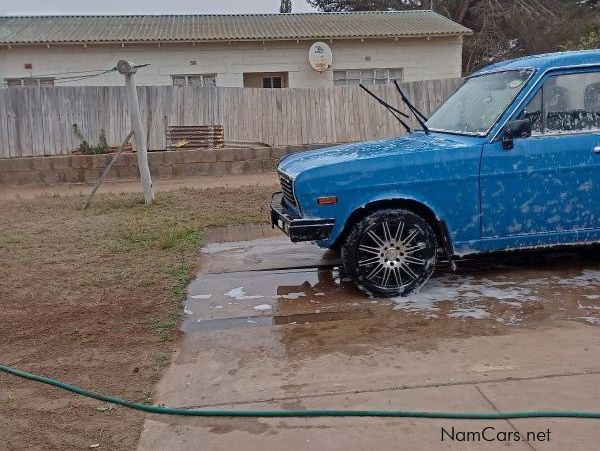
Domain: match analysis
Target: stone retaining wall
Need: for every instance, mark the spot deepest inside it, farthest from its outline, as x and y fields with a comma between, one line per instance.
x=52, y=170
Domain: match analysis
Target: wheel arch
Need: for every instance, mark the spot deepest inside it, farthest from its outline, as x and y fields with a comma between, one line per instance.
x=437, y=224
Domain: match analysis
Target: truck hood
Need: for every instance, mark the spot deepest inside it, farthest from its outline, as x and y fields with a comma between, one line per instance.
x=294, y=164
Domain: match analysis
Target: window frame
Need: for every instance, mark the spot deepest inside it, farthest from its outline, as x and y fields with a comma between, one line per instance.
x=522, y=104
x=40, y=82
x=373, y=78
x=187, y=80
x=271, y=79
x=540, y=89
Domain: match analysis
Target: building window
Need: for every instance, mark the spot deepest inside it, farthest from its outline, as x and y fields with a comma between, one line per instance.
x=265, y=80
x=205, y=80
x=29, y=81
x=272, y=82
x=366, y=76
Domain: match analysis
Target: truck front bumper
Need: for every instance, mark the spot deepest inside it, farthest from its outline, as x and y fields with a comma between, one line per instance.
x=297, y=228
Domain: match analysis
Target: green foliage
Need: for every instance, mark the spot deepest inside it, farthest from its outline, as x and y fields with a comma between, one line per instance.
x=501, y=29
x=137, y=238
x=86, y=148
x=589, y=41
x=180, y=239
x=369, y=5
x=102, y=141
x=164, y=328
x=180, y=277
x=134, y=239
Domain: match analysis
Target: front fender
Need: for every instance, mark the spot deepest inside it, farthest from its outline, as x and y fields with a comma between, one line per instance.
x=346, y=211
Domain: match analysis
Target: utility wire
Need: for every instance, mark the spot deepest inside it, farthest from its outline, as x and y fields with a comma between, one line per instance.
x=88, y=74
x=85, y=77
x=73, y=78
x=67, y=79
x=91, y=71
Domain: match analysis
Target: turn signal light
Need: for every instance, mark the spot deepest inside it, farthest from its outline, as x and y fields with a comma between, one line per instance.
x=327, y=200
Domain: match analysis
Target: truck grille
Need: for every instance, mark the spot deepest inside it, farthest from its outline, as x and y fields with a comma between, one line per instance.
x=287, y=188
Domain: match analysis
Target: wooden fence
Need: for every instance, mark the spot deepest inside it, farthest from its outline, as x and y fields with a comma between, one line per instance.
x=39, y=121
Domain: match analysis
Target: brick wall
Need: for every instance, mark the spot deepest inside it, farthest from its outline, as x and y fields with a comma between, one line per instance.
x=40, y=171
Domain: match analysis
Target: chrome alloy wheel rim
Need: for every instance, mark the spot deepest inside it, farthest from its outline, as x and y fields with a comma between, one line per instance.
x=392, y=255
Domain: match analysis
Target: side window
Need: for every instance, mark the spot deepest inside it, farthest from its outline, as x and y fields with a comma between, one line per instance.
x=572, y=103
x=533, y=112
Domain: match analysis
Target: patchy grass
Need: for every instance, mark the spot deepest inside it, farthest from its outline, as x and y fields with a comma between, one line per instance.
x=93, y=298
x=180, y=239
x=179, y=276
x=164, y=328
x=132, y=239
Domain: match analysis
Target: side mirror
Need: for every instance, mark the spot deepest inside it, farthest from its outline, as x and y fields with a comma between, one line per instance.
x=520, y=128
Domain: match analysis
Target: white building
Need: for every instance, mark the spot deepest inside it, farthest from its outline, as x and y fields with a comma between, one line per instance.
x=254, y=50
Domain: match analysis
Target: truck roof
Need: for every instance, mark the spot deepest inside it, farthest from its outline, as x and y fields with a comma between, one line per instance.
x=545, y=61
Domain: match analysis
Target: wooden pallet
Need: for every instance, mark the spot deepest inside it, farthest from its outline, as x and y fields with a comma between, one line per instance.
x=194, y=137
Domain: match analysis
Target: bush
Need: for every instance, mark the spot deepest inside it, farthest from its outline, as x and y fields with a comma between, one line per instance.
x=86, y=148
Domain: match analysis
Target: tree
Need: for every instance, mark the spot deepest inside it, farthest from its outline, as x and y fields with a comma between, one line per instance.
x=502, y=29
x=514, y=28
x=286, y=6
x=369, y=5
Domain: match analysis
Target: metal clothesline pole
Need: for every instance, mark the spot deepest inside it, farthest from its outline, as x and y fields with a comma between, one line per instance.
x=141, y=147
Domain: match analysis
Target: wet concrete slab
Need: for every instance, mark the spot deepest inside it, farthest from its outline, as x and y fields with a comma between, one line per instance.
x=256, y=364
x=329, y=433
x=555, y=393
x=264, y=254
x=268, y=322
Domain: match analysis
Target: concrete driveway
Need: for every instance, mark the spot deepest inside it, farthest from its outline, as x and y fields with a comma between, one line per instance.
x=274, y=325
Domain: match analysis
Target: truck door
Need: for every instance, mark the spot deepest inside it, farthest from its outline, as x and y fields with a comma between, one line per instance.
x=549, y=182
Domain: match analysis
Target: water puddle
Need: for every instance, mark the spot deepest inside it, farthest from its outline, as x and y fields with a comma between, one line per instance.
x=250, y=321
x=300, y=291
x=322, y=317
x=229, y=323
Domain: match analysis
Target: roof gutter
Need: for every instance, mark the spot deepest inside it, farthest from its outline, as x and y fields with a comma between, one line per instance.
x=198, y=41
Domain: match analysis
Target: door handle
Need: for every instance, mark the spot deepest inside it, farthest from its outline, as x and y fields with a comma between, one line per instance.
x=597, y=149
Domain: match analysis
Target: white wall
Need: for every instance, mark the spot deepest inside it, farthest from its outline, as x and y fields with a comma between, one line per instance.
x=421, y=59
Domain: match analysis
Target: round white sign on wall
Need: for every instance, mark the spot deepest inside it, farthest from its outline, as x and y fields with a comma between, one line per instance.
x=320, y=57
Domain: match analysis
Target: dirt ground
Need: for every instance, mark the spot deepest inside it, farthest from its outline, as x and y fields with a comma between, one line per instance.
x=93, y=298
x=82, y=189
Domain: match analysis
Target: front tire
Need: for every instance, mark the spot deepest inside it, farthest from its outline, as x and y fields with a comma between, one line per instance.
x=390, y=252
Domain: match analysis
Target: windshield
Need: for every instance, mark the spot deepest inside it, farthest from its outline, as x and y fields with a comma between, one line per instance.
x=476, y=106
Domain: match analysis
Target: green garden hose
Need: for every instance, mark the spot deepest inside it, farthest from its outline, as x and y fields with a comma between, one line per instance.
x=298, y=413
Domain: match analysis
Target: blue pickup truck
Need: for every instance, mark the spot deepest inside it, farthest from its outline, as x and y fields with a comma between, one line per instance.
x=511, y=160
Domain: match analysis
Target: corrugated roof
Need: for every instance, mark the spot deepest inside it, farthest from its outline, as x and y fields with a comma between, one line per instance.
x=240, y=27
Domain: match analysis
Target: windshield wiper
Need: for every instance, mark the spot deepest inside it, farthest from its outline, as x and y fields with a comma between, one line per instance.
x=395, y=111
x=421, y=118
